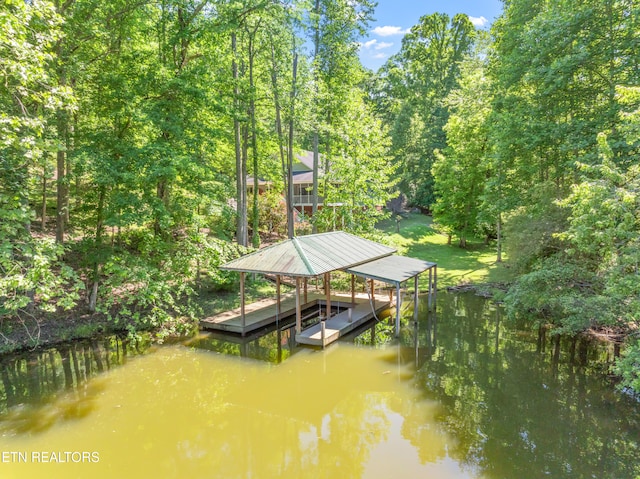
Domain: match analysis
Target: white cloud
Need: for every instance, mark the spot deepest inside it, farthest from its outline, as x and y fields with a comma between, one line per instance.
x=382, y=45
x=478, y=21
x=389, y=31
x=379, y=56
x=376, y=45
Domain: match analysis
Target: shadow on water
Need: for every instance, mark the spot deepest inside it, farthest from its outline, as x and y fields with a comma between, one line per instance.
x=44, y=387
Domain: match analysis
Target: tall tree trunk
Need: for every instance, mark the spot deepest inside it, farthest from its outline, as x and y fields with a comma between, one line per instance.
x=255, y=238
x=62, y=136
x=283, y=159
x=162, y=193
x=61, y=184
x=292, y=111
x=316, y=152
x=44, y=197
x=244, y=129
x=241, y=180
x=69, y=132
x=499, y=240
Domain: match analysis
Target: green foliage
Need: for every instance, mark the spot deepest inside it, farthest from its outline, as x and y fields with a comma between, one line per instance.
x=414, y=85
x=360, y=179
x=221, y=220
x=561, y=292
x=28, y=32
x=531, y=230
x=34, y=279
x=628, y=367
x=272, y=214
x=149, y=282
x=460, y=170
x=605, y=224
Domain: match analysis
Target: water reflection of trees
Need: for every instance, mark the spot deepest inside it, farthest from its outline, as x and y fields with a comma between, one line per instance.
x=319, y=415
x=31, y=381
x=523, y=409
x=273, y=345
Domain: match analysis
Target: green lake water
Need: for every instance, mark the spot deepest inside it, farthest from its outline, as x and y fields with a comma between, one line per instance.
x=461, y=394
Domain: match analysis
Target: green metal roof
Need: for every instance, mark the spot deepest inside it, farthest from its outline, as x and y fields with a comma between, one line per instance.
x=311, y=255
x=391, y=269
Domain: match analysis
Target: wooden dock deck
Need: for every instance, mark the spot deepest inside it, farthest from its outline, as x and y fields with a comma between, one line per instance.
x=257, y=315
x=341, y=324
x=262, y=313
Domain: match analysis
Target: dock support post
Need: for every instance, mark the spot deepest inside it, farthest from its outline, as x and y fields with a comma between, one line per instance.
x=277, y=298
x=398, y=304
x=306, y=281
x=435, y=285
x=415, y=299
x=298, y=309
x=242, y=301
x=353, y=289
x=373, y=293
x=327, y=285
x=430, y=297
x=323, y=333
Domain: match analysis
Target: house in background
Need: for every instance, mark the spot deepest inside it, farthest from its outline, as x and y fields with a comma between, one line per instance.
x=302, y=183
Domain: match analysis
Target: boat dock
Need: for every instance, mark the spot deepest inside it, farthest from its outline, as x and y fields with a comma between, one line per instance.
x=264, y=313
x=330, y=330
x=257, y=315
x=317, y=256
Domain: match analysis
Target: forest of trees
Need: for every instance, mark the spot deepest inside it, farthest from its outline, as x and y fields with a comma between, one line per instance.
x=128, y=129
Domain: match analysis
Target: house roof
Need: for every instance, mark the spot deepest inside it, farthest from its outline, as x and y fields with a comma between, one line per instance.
x=261, y=182
x=303, y=161
x=311, y=255
x=302, y=170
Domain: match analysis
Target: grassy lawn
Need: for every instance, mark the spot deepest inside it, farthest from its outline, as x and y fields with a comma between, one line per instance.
x=418, y=239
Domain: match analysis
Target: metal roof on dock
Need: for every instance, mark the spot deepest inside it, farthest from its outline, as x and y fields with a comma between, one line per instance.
x=311, y=255
x=392, y=269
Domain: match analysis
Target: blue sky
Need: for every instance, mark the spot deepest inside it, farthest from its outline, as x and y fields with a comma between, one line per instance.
x=394, y=17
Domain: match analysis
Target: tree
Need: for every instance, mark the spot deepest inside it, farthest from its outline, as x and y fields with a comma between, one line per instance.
x=360, y=180
x=29, y=267
x=335, y=26
x=460, y=171
x=419, y=78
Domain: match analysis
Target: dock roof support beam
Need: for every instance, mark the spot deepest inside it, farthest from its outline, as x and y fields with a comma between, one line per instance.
x=353, y=289
x=298, y=308
x=372, y=287
x=435, y=285
x=327, y=289
x=278, y=310
x=415, y=299
x=398, y=304
x=242, y=301
x=430, y=293
x=306, y=281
